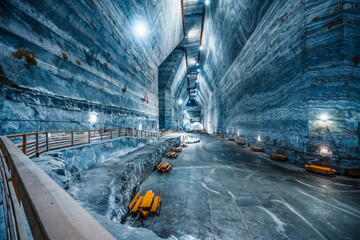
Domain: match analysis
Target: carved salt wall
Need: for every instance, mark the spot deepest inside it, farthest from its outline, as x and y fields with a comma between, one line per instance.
x=62, y=60
x=301, y=60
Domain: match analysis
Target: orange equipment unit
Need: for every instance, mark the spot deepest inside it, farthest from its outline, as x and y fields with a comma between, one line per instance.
x=172, y=154
x=231, y=139
x=164, y=167
x=278, y=157
x=256, y=149
x=319, y=169
x=222, y=136
x=177, y=149
x=240, y=143
x=149, y=203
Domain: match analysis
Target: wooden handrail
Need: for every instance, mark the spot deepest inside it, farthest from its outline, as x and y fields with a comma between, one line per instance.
x=50, y=212
x=70, y=138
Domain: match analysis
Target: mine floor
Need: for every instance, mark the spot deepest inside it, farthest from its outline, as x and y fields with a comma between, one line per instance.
x=220, y=190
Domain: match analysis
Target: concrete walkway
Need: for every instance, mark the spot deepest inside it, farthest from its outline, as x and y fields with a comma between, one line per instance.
x=220, y=190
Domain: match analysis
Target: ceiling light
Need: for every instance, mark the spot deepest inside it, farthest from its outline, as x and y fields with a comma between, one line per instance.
x=207, y=2
x=180, y=101
x=197, y=64
x=140, y=29
x=198, y=70
x=200, y=48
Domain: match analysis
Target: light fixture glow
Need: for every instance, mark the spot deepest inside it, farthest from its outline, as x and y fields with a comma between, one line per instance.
x=197, y=64
x=198, y=70
x=324, y=151
x=200, y=48
x=207, y=2
x=93, y=117
x=180, y=101
x=141, y=29
x=259, y=138
x=324, y=117
x=185, y=111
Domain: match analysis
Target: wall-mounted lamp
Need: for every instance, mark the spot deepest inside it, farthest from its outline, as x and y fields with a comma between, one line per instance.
x=324, y=117
x=324, y=151
x=93, y=117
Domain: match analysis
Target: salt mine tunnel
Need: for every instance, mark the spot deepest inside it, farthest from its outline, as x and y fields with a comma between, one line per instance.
x=180, y=119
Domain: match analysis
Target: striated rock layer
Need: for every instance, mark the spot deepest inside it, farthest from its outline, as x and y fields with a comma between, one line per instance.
x=63, y=61
x=104, y=180
x=298, y=61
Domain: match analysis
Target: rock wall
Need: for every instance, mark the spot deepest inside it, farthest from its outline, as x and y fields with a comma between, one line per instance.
x=108, y=180
x=104, y=177
x=301, y=61
x=68, y=163
x=172, y=77
x=63, y=61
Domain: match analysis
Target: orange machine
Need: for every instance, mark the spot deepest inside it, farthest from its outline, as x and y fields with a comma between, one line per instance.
x=149, y=203
x=278, y=157
x=222, y=136
x=256, y=149
x=319, y=169
x=177, y=149
x=164, y=167
x=172, y=154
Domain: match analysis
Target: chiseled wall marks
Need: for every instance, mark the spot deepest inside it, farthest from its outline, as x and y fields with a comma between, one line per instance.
x=297, y=64
x=61, y=60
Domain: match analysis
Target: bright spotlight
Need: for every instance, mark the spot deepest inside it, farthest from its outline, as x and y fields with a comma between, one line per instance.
x=324, y=151
x=324, y=117
x=197, y=64
x=259, y=138
x=185, y=111
x=198, y=70
x=180, y=101
x=141, y=29
x=93, y=117
x=200, y=48
x=207, y=2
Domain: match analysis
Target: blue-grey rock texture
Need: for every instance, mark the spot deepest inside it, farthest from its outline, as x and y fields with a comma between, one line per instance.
x=106, y=189
x=70, y=162
x=272, y=68
x=62, y=60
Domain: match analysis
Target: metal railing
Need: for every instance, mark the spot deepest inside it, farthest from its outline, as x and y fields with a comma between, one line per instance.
x=50, y=212
x=32, y=144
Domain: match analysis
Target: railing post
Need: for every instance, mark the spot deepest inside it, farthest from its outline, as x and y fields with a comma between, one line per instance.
x=101, y=135
x=72, y=138
x=47, y=141
x=110, y=133
x=119, y=132
x=89, y=136
x=37, y=145
x=24, y=143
